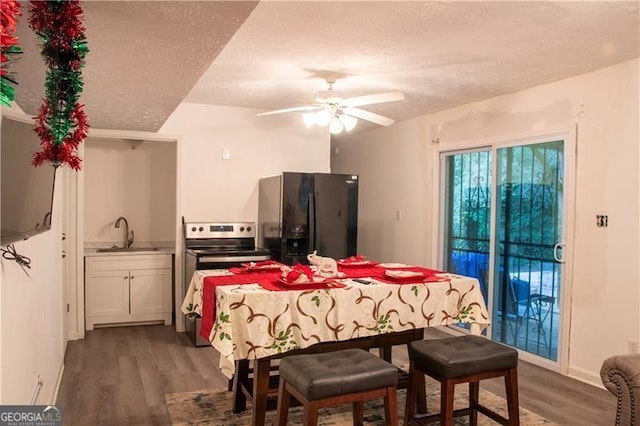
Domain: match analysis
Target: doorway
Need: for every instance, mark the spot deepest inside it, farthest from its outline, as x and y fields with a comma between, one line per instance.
x=504, y=222
x=76, y=217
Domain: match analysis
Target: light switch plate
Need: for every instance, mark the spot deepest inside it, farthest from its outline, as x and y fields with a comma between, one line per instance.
x=226, y=154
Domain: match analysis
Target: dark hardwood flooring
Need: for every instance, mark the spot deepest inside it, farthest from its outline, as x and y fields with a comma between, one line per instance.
x=119, y=376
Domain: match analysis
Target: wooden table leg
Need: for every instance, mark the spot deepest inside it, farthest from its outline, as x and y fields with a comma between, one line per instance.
x=240, y=379
x=384, y=352
x=261, y=370
x=421, y=406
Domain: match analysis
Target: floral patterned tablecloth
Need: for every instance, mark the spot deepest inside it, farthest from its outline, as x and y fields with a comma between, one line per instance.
x=252, y=322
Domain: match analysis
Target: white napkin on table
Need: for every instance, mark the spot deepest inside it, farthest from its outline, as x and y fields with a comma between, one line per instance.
x=403, y=274
x=393, y=265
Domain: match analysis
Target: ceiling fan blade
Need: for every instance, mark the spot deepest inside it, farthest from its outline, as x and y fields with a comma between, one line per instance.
x=369, y=116
x=295, y=109
x=377, y=98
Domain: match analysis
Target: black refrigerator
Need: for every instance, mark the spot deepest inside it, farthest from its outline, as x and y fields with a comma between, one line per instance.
x=302, y=212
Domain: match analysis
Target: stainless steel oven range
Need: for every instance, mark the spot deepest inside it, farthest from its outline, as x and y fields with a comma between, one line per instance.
x=217, y=245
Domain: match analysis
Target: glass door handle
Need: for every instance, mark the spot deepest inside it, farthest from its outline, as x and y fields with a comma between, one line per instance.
x=556, y=249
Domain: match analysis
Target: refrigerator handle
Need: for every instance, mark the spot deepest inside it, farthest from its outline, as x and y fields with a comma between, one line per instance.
x=311, y=215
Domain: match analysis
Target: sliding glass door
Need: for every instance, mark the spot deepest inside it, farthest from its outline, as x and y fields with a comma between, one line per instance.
x=467, y=233
x=517, y=255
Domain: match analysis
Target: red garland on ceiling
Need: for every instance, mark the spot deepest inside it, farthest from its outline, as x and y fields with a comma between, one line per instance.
x=9, y=11
x=61, y=123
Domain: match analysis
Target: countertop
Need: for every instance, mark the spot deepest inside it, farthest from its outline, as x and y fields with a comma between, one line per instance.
x=91, y=249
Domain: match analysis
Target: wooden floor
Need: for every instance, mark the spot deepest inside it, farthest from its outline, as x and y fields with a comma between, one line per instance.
x=119, y=376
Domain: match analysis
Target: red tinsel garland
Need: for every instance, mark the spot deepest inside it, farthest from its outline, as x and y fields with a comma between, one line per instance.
x=61, y=123
x=9, y=11
x=66, y=151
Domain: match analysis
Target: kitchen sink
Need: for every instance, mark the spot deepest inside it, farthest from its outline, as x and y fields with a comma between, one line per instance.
x=126, y=249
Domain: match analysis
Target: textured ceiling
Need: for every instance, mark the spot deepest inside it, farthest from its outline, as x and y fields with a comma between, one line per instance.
x=144, y=58
x=147, y=57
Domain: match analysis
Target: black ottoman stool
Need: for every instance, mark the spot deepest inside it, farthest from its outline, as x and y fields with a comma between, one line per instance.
x=333, y=378
x=465, y=359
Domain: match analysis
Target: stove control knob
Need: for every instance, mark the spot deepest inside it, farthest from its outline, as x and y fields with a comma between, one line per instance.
x=248, y=229
x=194, y=229
x=201, y=229
x=241, y=228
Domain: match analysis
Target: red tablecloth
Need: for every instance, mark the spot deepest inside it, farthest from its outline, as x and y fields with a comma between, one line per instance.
x=209, y=294
x=378, y=271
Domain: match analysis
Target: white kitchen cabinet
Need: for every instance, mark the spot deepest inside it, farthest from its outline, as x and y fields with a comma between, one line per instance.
x=107, y=293
x=147, y=291
x=128, y=289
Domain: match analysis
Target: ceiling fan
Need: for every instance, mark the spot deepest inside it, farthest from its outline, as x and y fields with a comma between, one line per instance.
x=341, y=114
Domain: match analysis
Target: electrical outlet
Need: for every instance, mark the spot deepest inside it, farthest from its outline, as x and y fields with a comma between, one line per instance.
x=602, y=220
x=633, y=346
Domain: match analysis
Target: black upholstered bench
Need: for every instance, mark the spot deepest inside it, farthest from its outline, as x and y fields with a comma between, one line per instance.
x=464, y=359
x=333, y=378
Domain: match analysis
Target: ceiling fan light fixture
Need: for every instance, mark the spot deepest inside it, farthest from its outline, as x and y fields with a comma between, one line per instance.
x=323, y=118
x=348, y=122
x=309, y=119
x=336, y=126
x=342, y=114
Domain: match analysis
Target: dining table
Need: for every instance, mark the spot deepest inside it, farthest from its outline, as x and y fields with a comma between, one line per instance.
x=255, y=315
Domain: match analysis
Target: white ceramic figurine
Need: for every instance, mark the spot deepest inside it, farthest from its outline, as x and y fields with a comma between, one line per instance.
x=325, y=266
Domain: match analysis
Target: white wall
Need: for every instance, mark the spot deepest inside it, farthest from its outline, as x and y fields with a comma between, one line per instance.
x=392, y=180
x=139, y=184
x=32, y=318
x=396, y=169
x=213, y=189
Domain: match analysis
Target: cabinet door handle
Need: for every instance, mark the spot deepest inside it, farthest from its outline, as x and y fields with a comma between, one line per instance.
x=132, y=277
x=125, y=278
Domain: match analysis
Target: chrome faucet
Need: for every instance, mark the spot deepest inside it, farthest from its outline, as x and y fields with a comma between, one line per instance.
x=127, y=241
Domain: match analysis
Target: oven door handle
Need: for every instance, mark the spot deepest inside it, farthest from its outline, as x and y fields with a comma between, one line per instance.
x=225, y=259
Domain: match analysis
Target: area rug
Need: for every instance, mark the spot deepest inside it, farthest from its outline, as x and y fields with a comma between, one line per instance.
x=213, y=407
